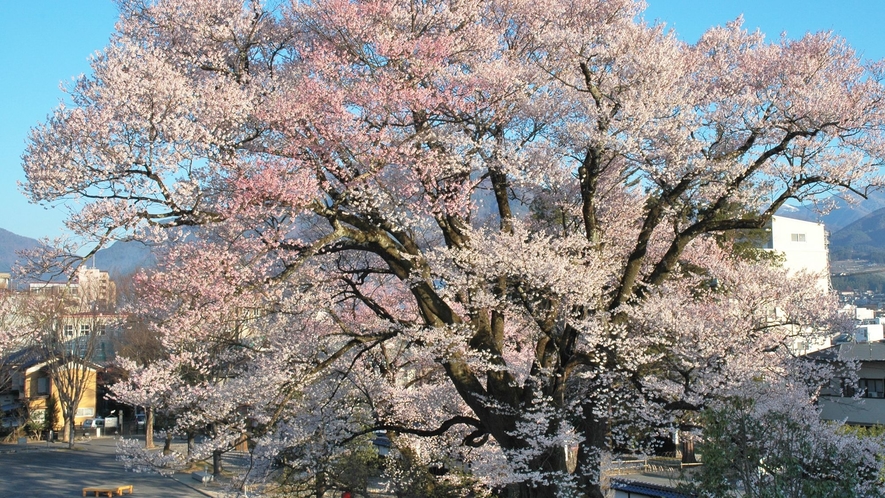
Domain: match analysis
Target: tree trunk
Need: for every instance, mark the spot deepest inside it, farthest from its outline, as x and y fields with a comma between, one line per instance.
x=321, y=484
x=585, y=464
x=688, y=455
x=167, y=445
x=216, y=464
x=191, y=443
x=149, y=428
x=590, y=451
x=524, y=490
x=69, y=430
x=551, y=461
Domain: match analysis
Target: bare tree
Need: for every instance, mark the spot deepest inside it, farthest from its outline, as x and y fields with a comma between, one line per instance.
x=14, y=340
x=68, y=339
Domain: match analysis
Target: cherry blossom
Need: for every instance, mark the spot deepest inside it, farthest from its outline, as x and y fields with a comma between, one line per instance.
x=496, y=229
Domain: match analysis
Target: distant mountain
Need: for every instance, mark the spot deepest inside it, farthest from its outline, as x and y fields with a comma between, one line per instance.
x=120, y=259
x=847, y=213
x=844, y=212
x=798, y=213
x=10, y=245
x=123, y=258
x=862, y=239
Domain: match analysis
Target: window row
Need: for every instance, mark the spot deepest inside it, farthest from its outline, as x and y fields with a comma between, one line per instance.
x=866, y=388
x=85, y=329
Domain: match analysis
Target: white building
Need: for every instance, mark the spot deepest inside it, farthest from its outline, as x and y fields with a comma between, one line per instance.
x=803, y=245
x=92, y=289
x=96, y=288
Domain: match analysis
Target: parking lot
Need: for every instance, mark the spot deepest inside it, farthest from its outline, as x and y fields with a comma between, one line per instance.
x=52, y=470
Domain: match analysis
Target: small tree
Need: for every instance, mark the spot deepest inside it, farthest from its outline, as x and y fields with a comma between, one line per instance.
x=72, y=378
x=138, y=347
x=50, y=416
x=774, y=446
x=146, y=386
x=35, y=425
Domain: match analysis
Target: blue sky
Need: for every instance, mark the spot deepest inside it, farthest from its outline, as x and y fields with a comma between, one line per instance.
x=45, y=43
x=48, y=42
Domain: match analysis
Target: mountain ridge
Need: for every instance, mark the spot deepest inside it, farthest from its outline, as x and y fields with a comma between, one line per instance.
x=11, y=245
x=120, y=259
x=862, y=239
x=843, y=211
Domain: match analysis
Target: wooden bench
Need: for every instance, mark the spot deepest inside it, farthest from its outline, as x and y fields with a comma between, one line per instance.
x=111, y=490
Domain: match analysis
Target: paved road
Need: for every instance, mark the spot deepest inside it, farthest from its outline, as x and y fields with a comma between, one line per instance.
x=43, y=470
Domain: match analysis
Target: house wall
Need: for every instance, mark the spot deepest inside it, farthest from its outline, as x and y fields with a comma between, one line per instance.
x=37, y=399
x=98, y=332
x=86, y=407
x=868, y=410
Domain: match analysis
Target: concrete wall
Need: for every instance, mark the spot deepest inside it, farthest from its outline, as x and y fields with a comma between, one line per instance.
x=804, y=246
x=863, y=411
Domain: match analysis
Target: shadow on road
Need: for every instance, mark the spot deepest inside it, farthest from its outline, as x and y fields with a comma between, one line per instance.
x=52, y=470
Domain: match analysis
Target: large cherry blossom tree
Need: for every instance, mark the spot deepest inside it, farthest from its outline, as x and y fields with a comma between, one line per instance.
x=499, y=229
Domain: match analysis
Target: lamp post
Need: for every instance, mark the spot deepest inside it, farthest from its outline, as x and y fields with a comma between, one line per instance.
x=116, y=419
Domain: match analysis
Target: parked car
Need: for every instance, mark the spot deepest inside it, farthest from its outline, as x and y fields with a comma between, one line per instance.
x=140, y=419
x=91, y=423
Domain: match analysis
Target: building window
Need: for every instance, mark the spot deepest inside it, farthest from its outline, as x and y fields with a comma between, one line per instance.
x=797, y=237
x=848, y=388
x=42, y=385
x=872, y=388
x=69, y=330
x=84, y=329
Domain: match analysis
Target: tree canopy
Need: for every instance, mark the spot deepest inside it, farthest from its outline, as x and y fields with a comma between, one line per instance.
x=489, y=227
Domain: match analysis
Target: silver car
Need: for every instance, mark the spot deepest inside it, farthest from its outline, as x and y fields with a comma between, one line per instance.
x=91, y=423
